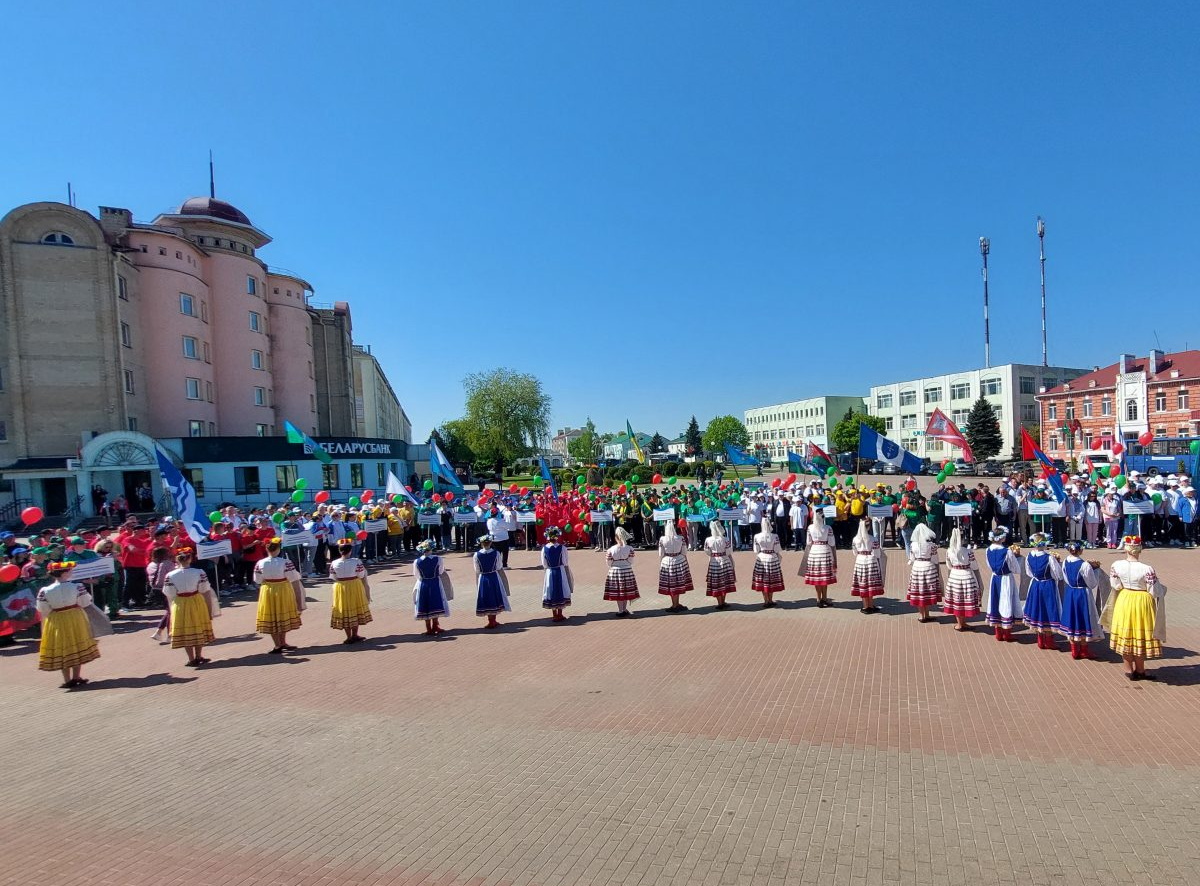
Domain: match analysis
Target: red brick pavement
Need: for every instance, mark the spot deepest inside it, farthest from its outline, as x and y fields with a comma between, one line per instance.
x=792, y=745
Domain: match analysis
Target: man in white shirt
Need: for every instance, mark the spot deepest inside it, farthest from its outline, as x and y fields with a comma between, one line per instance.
x=500, y=523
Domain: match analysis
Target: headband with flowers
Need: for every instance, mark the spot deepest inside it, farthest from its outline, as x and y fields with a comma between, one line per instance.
x=276, y=540
x=1132, y=540
x=62, y=564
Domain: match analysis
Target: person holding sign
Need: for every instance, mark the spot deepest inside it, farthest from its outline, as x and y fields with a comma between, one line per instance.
x=620, y=585
x=1004, y=599
x=1080, y=622
x=869, y=567
x=721, y=578
x=962, y=582
x=768, y=568
x=925, y=576
x=819, y=566
x=351, y=593
x=67, y=640
x=491, y=597
x=556, y=588
x=674, y=576
x=193, y=606
x=1135, y=614
x=280, y=596
x=431, y=593
x=1043, y=610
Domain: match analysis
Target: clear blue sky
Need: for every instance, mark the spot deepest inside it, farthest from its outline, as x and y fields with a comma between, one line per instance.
x=658, y=208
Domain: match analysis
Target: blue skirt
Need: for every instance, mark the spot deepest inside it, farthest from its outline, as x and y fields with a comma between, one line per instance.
x=1042, y=609
x=554, y=595
x=429, y=601
x=490, y=598
x=1077, y=615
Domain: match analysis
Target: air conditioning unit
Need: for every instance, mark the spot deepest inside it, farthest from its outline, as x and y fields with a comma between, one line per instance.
x=74, y=464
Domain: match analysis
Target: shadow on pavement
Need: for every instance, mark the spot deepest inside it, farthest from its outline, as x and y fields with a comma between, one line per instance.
x=135, y=682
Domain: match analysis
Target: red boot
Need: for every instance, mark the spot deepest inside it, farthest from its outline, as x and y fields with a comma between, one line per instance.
x=1074, y=650
x=1051, y=642
x=999, y=633
x=1085, y=651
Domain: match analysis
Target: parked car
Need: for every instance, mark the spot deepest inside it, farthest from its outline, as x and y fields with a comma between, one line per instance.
x=889, y=468
x=964, y=467
x=991, y=469
x=877, y=467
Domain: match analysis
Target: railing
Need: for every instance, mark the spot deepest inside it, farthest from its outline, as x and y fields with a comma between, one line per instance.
x=75, y=511
x=11, y=512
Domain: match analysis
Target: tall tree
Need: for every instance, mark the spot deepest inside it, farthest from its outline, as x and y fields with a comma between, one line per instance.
x=507, y=417
x=692, y=441
x=658, y=443
x=983, y=431
x=725, y=429
x=585, y=447
x=844, y=437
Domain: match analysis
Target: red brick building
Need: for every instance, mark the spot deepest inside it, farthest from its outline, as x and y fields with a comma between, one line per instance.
x=1158, y=393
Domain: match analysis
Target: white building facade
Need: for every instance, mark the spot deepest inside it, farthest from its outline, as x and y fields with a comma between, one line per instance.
x=775, y=429
x=1012, y=390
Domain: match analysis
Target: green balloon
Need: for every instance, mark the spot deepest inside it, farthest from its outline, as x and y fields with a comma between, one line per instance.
x=949, y=469
x=277, y=517
x=428, y=485
x=1194, y=447
x=672, y=480
x=941, y=478
x=1120, y=481
x=849, y=481
x=581, y=480
x=832, y=483
x=397, y=498
x=355, y=501
x=636, y=479
x=214, y=517
x=830, y=471
x=566, y=527
x=1104, y=471
x=1157, y=498
x=540, y=521
x=297, y=496
x=301, y=483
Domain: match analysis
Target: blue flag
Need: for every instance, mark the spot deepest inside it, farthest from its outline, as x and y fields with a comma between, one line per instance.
x=187, y=505
x=738, y=457
x=295, y=435
x=872, y=444
x=548, y=477
x=441, y=468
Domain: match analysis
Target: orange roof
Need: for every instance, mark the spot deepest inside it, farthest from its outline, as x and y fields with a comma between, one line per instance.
x=1186, y=362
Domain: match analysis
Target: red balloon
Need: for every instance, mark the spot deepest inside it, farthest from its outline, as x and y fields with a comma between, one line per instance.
x=367, y=494
x=409, y=488
x=1099, y=444
x=910, y=485
x=31, y=515
x=1146, y=438
x=1114, y=470
x=513, y=487
x=622, y=489
x=361, y=535
x=437, y=496
x=657, y=478
x=775, y=483
x=322, y=497
x=449, y=496
x=1117, y=448
x=791, y=478
x=11, y=572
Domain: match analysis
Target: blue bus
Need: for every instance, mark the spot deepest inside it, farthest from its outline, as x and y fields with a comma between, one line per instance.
x=1166, y=455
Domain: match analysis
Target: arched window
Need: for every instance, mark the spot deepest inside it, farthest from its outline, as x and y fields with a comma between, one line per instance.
x=1131, y=410
x=58, y=238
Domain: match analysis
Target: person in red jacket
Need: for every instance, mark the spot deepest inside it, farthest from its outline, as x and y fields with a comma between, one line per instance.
x=135, y=545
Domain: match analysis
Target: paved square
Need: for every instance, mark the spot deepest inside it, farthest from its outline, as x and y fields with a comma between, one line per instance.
x=782, y=746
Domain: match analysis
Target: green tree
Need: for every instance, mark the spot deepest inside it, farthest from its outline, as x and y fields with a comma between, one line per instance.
x=658, y=443
x=844, y=437
x=451, y=439
x=725, y=429
x=983, y=431
x=507, y=416
x=691, y=438
x=586, y=446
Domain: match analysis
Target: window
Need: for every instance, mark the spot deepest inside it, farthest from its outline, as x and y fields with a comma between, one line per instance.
x=256, y=360
x=1070, y=409
x=959, y=417
x=1052, y=411
x=883, y=401
x=212, y=429
x=1028, y=412
x=1182, y=399
x=128, y=381
x=178, y=254
x=122, y=288
x=329, y=476
x=192, y=386
x=204, y=311
x=3, y=430
x=1050, y=382
x=1181, y=432
x=933, y=445
x=312, y=402
x=162, y=251
x=908, y=421
x=58, y=238
x=960, y=390
x=356, y=476
x=126, y=336
x=255, y=321
x=195, y=428
x=196, y=478
x=310, y=370
x=989, y=387
x=908, y=398
x=1054, y=441
x=245, y=480
x=1160, y=432
x=1106, y=406
x=1027, y=384
x=1160, y=401
x=1087, y=440
x=190, y=348
x=1131, y=410
x=261, y=430
x=889, y=423
x=285, y=477
x=251, y=286
x=208, y=391
x=380, y=471
x=260, y=396
x=132, y=423
x=207, y=354
x=1087, y=407
x=820, y=430
x=933, y=395
x=187, y=304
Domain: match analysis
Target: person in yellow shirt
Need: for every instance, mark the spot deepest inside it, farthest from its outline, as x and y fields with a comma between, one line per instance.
x=407, y=515
x=395, y=532
x=841, y=523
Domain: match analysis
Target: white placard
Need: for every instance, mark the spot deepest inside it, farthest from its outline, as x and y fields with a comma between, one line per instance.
x=210, y=550
x=661, y=514
x=958, y=509
x=526, y=517
x=1043, y=508
x=97, y=568
x=880, y=511
x=601, y=516
x=466, y=517
x=830, y=511
x=294, y=538
x=375, y=525
x=429, y=519
x=733, y=514
x=1138, y=507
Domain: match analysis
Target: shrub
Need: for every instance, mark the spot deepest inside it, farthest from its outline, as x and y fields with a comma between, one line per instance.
x=669, y=469
x=685, y=470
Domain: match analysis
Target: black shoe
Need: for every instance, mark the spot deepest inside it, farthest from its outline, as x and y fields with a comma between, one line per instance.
x=1146, y=675
x=192, y=663
x=289, y=647
x=278, y=650
x=347, y=641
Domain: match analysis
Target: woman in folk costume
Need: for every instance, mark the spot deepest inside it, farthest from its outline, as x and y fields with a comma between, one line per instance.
x=1080, y=622
x=1043, y=609
x=67, y=639
x=556, y=587
x=1004, y=593
x=768, y=569
x=351, y=593
x=280, y=596
x=962, y=582
x=869, y=567
x=674, y=575
x=721, y=578
x=431, y=593
x=192, y=605
x=620, y=585
x=491, y=588
x=819, y=567
x=1135, y=614
x=925, y=576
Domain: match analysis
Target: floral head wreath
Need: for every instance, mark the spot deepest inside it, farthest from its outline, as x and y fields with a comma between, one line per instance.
x=62, y=564
x=185, y=551
x=276, y=540
x=1132, y=540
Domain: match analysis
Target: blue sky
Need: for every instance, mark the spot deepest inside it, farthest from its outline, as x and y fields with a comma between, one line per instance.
x=659, y=209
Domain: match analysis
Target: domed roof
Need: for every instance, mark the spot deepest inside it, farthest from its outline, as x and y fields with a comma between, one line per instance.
x=214, y=208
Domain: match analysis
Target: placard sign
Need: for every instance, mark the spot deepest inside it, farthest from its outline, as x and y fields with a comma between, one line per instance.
x=734, y=514
x=210, y=550
x=830, y=512
x=1043, y=508
x=879, y=511
x=696, y=518
x=602, y=516
x=754, y=484
x=1138, y=507
x=526, y=517
x=375, y=525
x=958, y=509
x=466, y=517
x=97, y=568
x=429, y=519
x=292, y=539
x=663, y=514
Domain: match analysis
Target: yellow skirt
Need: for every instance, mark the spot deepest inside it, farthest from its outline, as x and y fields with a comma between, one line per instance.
x=277, y=611
x=1133, y=625
x=191, y=622
x=350, y=607
x=67, y=641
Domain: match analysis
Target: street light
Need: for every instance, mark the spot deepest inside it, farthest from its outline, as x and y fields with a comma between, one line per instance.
x=985, y=246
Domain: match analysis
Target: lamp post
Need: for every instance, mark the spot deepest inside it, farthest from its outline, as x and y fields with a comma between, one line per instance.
x=985, y=246
x=1041, y=232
